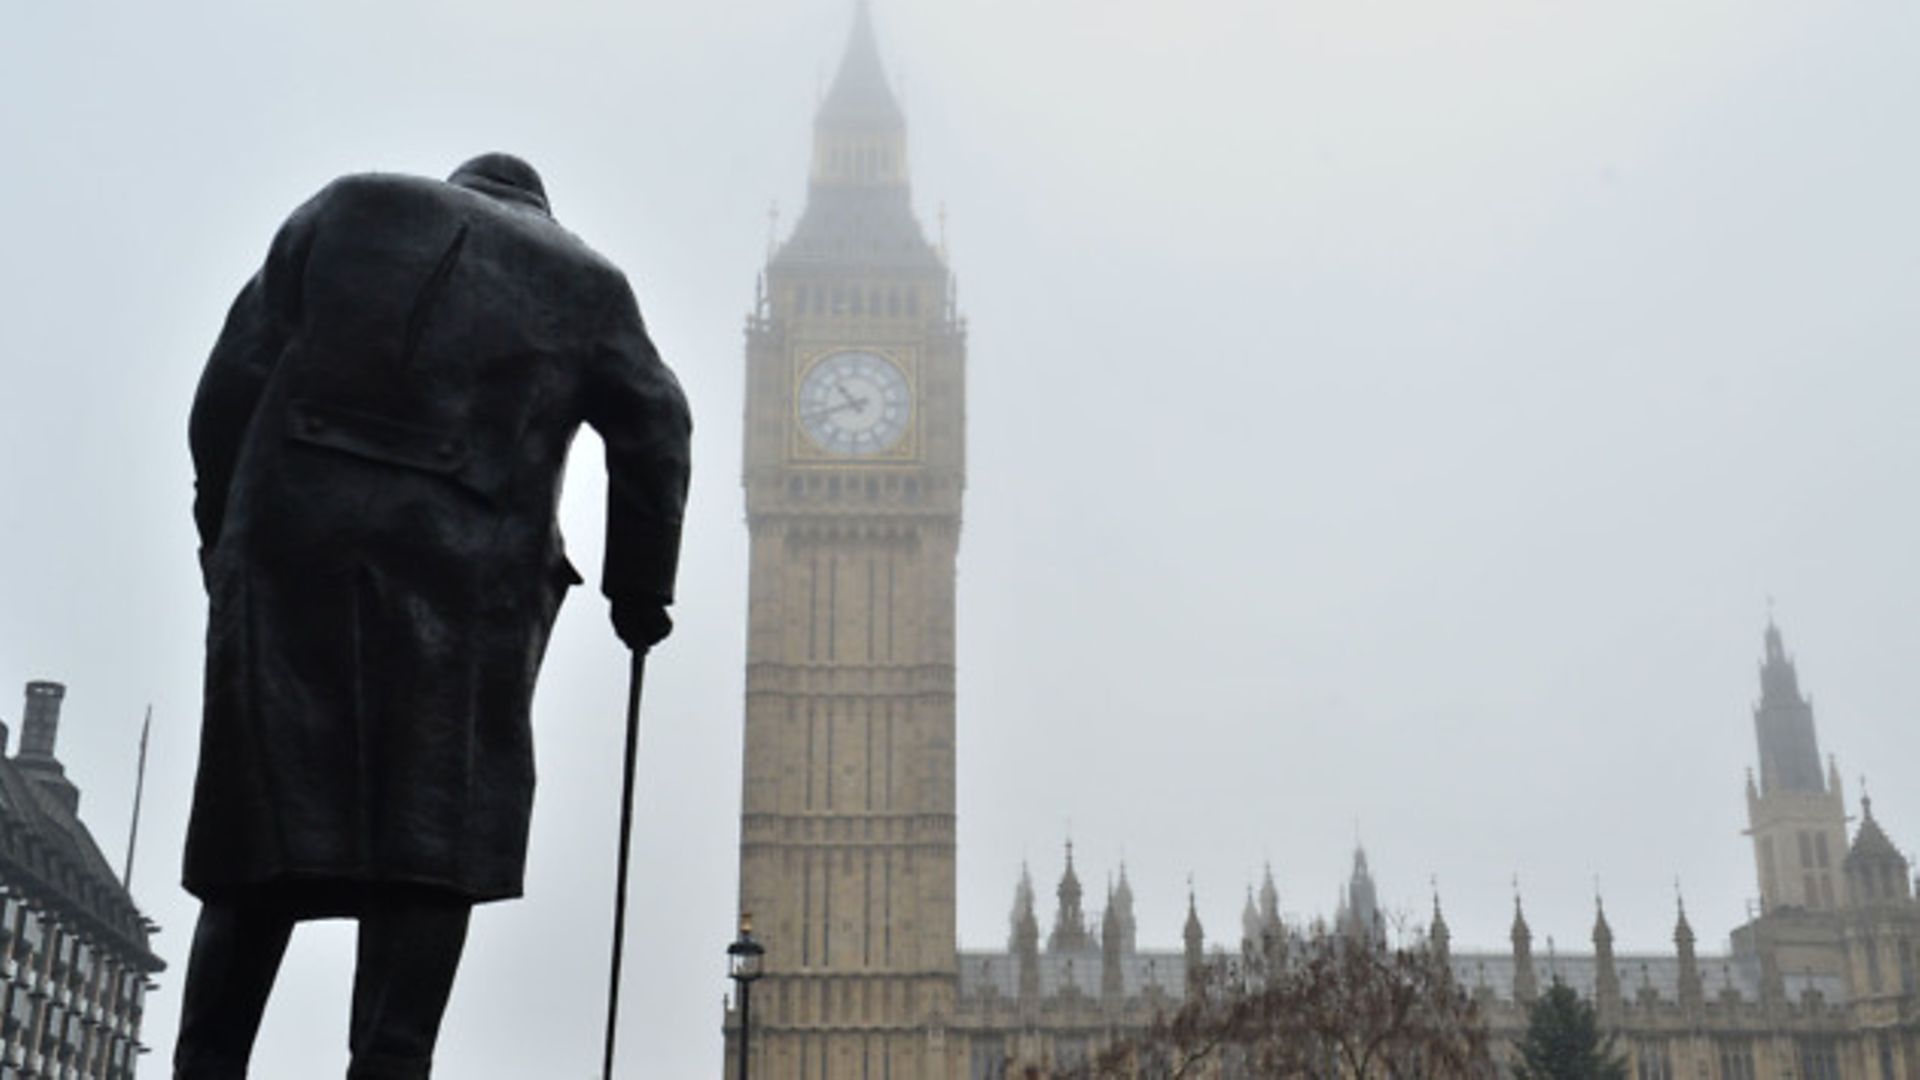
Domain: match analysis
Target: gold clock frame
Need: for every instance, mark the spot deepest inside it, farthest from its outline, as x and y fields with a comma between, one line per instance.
x=802, y=450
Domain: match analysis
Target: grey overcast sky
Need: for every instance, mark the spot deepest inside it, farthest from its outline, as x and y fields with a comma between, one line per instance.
x=1386, y=416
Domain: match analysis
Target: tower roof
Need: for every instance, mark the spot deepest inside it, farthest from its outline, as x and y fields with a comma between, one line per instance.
x=1191, y=932
x=1870, y=842
x=1520, y=931
x=1602, y=932
x=1783, y=724
x=860, y=94
x=859, y=212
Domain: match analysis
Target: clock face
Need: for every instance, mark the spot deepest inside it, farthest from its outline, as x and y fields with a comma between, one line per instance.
x=855, y=403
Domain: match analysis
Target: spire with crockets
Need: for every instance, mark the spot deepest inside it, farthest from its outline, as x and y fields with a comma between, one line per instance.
x=1783, y=724
x=859, y=209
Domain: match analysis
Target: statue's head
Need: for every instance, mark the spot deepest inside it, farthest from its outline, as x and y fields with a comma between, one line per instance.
x=503, y=176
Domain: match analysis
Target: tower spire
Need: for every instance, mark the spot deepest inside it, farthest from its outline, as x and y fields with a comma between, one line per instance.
x=1193, y=938
x=1783, y=724
x=859, y=89
x=1526, y=985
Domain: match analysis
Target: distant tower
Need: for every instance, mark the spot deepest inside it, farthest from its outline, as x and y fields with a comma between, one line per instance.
x=1362, y=916
x=1069, y=932
x=1606, y=977
x=1194, y=939
x=1023, y=938
x=1526, y=985
x=1796, y=811
x=1122, y=905
x=1691, y=992
x=853, y=469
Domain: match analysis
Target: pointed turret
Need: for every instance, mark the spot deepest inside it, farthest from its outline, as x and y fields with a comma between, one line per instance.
x=1876, y=871
x=1269, y=899
x=1267, y=938
x=1195, y=941
x=1363, y=918
x=1023, y=939
x=1121, y=905
x=1606, y=978
x=1112, y=977
x=1250, y=922
x=1526, y=986
x=1439, y=937
x=1070, y=919
x=1692, y=993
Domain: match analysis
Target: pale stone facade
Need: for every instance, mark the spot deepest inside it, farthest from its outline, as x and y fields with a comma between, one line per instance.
x=853, y=477
x=854, y=468
x=1823, y=984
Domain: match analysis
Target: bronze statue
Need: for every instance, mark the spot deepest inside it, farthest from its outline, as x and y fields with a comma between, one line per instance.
x=378, y=440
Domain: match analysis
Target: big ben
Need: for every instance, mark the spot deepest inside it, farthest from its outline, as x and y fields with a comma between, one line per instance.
x=853, y=475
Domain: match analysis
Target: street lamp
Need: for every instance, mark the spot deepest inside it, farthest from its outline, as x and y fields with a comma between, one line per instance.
x=743, y=967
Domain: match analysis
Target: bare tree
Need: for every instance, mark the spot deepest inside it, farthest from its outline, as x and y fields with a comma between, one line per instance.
x=1324, y=1007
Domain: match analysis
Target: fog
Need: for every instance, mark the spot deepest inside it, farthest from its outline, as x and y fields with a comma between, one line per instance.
x=1385, y=418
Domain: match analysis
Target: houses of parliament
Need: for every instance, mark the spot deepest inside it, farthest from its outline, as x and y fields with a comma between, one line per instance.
x=854, y=475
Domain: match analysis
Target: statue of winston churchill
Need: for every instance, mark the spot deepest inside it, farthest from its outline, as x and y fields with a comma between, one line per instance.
x=378, y=440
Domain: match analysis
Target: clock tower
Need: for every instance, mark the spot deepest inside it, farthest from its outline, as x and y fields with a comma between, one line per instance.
x=854, y=469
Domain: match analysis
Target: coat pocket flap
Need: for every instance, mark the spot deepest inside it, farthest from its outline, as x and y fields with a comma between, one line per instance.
x=376, y=438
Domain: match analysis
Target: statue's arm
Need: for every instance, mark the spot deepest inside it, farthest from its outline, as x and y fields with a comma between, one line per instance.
x=636, y=405
x=258, y=327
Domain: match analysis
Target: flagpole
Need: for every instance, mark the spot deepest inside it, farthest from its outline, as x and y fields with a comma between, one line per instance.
x=139, y=791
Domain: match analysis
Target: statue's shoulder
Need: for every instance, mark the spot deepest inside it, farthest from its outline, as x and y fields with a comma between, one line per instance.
x=377, y=189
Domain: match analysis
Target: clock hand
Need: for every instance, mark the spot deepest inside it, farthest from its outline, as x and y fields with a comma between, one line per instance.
x=857, y=402
x=829, y=410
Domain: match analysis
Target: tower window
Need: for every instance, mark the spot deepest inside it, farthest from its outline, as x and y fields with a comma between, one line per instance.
x=800, y=298
x=893, y=301
x=913, y=301
x=1806, y=851
x=1820, y=849
x=856, y=301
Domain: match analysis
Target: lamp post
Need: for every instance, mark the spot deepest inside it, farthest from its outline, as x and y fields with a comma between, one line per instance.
x=743, y=967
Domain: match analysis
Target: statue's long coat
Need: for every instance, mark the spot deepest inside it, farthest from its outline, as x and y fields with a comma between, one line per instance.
x=378, y=441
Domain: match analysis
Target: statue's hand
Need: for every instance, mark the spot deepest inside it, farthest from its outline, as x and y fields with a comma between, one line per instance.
x=641, y=623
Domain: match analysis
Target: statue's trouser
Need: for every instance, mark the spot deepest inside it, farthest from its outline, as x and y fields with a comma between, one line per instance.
x=409, y=949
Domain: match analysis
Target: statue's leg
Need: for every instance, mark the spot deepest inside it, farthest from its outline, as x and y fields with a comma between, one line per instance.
x=236, y=954
x=410, y=944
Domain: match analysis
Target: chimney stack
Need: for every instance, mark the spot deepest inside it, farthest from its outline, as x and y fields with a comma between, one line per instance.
x=40, y=726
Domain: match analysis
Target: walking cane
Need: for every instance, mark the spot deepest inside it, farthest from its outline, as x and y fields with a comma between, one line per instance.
x=634, y=679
